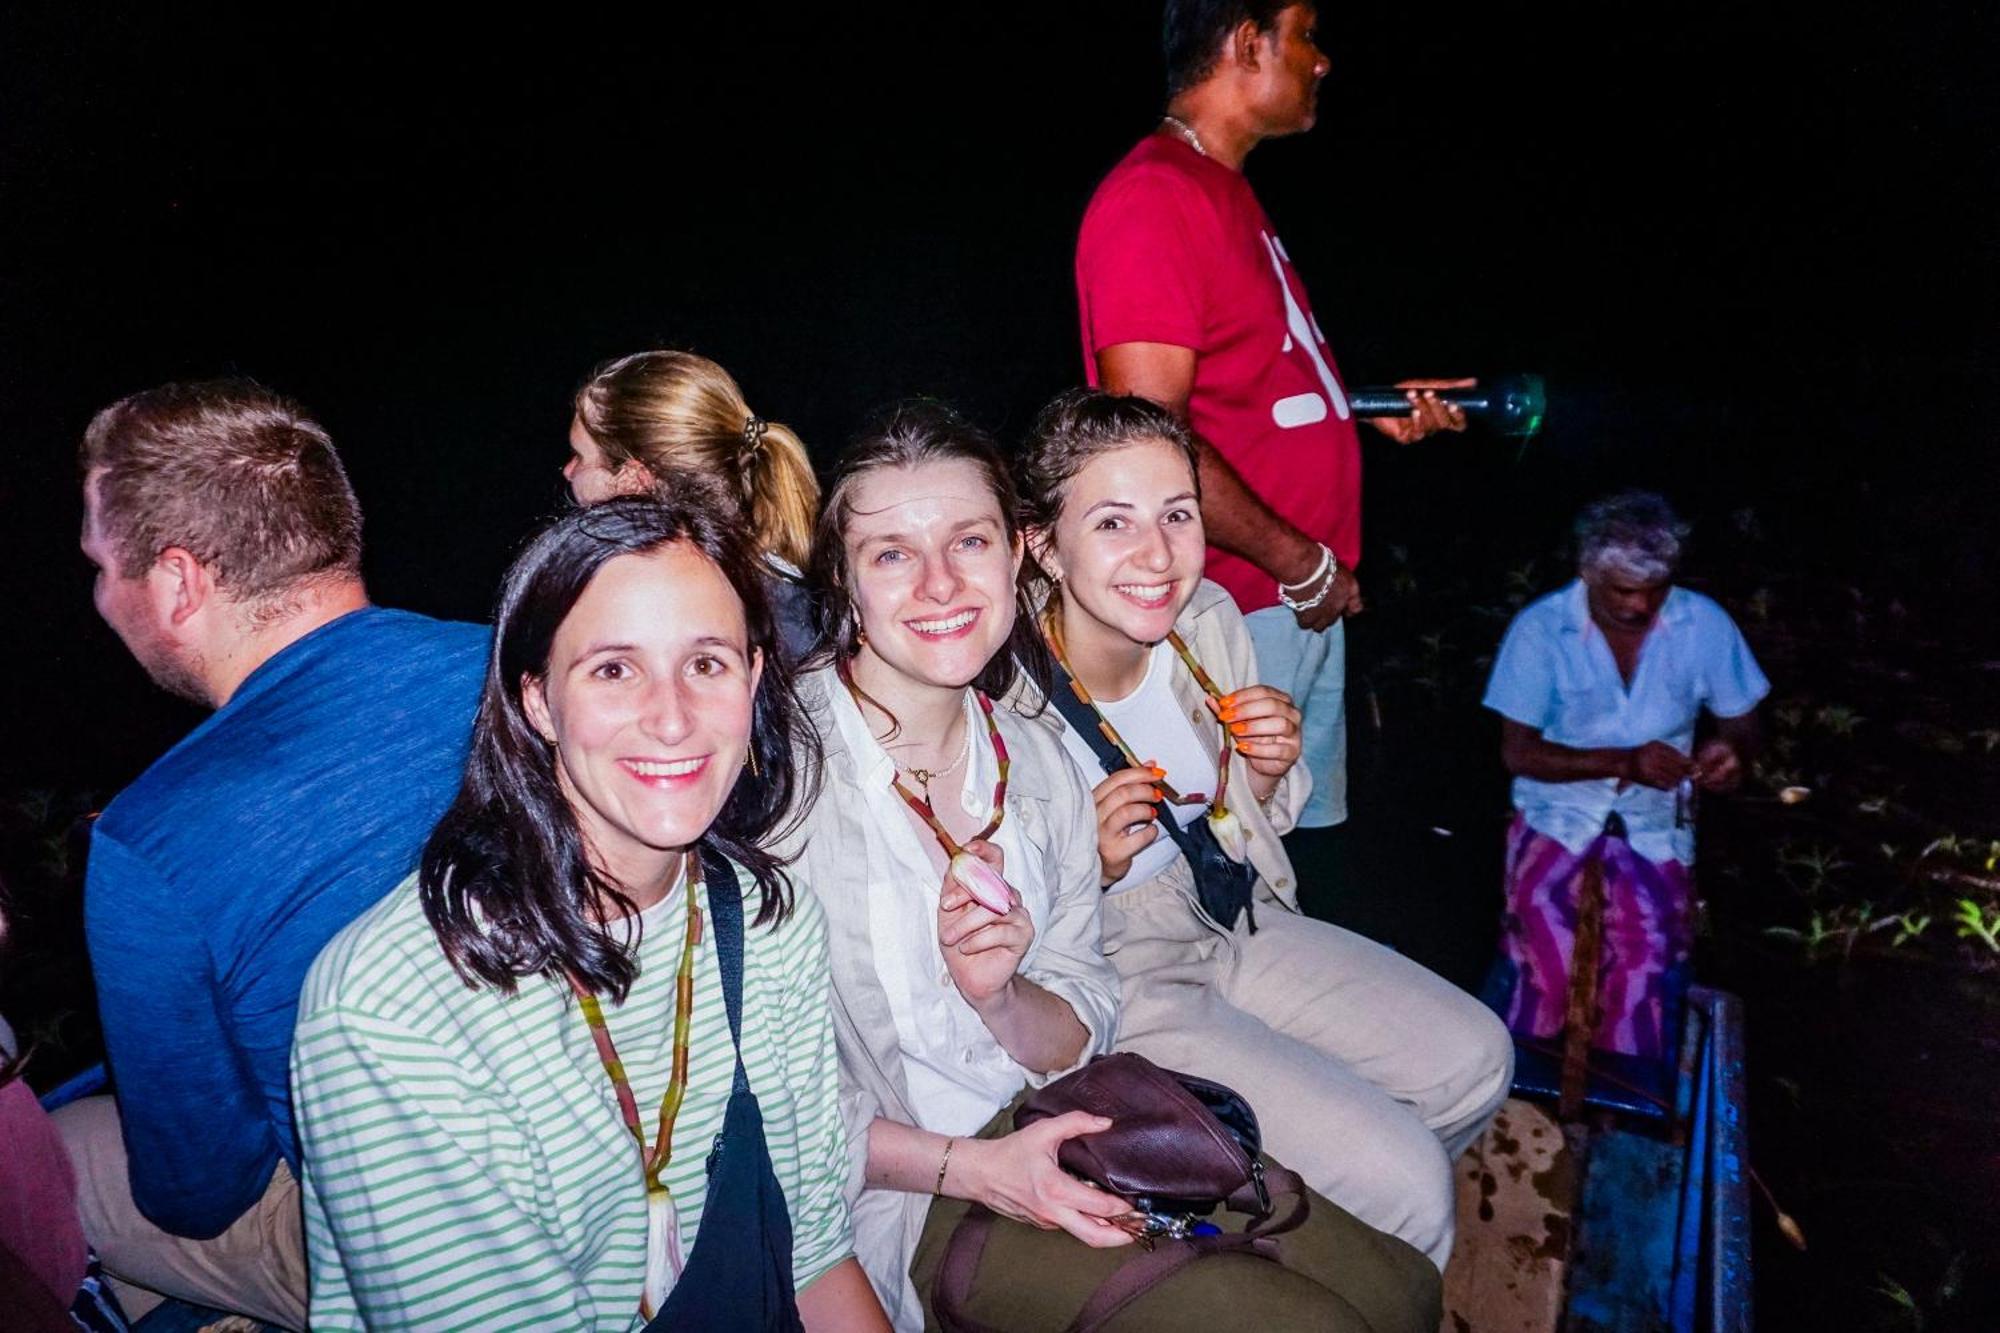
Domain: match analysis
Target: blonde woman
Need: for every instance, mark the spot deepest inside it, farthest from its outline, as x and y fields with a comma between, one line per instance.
x=645, y=417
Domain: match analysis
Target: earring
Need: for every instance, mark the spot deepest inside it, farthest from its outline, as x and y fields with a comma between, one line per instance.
x=750, y=756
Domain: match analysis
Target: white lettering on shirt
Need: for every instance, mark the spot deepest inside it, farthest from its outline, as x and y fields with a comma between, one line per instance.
x=1293, y=411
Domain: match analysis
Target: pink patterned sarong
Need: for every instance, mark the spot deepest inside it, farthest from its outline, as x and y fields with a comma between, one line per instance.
x=1648, y=932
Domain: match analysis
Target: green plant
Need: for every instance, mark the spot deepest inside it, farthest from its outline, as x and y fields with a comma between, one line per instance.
x=1900, y=1296
x=1816, y=863
x=1908, y=927
x=1974, y=922
x=1838, y=719
x=1948, y=844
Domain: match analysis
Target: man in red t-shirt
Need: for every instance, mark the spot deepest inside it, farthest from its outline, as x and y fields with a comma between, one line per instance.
x=1188, y=298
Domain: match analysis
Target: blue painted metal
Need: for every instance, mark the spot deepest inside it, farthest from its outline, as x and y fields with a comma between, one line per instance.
x=1663, y=1224
x=1621, y=1271
x=89, y=1082
x=1695, y=1083
x=1627, y=1084
x=1729, y=1164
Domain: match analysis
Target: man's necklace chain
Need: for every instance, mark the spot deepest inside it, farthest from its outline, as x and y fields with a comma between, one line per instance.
x=1186, y=133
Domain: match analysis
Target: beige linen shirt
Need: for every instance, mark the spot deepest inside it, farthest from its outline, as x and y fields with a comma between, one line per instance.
x=1049, y=806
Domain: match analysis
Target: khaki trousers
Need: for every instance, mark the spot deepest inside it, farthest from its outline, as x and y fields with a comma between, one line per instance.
x=1368, y=1073
x=1336, y=1275
x=257, y=1267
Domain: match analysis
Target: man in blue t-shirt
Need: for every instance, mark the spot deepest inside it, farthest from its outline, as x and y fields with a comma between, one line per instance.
x=228, y=550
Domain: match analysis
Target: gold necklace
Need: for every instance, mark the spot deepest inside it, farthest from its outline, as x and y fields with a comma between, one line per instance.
x=926, y=776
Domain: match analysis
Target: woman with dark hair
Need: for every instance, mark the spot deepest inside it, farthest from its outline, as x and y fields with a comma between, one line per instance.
x=578, y=1072
x=1369, y=1072
x=642, y=418
x=954, y=852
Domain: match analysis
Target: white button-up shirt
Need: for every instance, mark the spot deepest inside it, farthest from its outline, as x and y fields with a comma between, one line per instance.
x=957, y=1070
x=1556, y=673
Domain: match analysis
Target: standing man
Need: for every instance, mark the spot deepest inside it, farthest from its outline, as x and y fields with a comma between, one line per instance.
x=1599, y=687
x=227, y=543
x=1188, y=298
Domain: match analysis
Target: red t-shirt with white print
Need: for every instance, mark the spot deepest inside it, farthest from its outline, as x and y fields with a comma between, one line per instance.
x=1176, y=249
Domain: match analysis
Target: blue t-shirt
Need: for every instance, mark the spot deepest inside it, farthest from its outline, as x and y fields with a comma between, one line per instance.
x=216, y=878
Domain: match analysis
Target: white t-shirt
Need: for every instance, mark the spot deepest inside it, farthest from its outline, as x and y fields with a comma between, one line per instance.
x=1555, y=673
x=957, y=1071
x=1153, y=726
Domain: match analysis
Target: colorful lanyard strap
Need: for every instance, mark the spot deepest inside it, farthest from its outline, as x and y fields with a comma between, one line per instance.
x=653, y=1160
x=922, y=806
x=1052, y=631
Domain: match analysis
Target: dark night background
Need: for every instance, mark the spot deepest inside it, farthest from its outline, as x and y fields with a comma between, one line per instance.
x=1751, y=247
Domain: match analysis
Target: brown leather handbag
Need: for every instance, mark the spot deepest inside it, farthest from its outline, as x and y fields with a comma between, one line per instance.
x=1179, y=1147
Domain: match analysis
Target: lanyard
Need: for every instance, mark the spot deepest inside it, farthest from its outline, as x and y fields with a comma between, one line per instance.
x=921, y=805
x=1217, y=808
x=662, y=1222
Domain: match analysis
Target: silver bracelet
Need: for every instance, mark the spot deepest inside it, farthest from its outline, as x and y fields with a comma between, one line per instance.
x=1329, y=567
x=1325, y=559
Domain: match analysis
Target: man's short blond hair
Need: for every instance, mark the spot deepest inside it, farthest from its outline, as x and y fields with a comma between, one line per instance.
x=240, y=477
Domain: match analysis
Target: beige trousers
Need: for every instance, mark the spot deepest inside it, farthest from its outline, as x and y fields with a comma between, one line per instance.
x=1368, y=1072
x=257, y=1267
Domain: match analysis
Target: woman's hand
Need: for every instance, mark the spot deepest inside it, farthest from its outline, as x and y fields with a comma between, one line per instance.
x=1263, y=725
x=1018, y=1176
x=1127, y=819
x=982, y=951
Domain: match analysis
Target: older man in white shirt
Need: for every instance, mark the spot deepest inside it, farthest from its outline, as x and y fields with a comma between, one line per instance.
x=1599, y=686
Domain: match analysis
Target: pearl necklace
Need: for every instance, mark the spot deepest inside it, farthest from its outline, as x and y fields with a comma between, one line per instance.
x=1186, y=133
x=926, y=776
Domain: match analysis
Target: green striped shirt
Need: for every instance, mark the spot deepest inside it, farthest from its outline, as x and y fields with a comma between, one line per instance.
x=466, y=1165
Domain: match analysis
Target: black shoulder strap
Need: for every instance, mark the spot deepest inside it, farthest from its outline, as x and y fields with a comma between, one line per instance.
x=725, y=914
x=1223, y=886
x=1083, y=720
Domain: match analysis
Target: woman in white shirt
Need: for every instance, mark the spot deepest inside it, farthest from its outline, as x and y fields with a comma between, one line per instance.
x=947, y=1010
x=1368, y=1072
